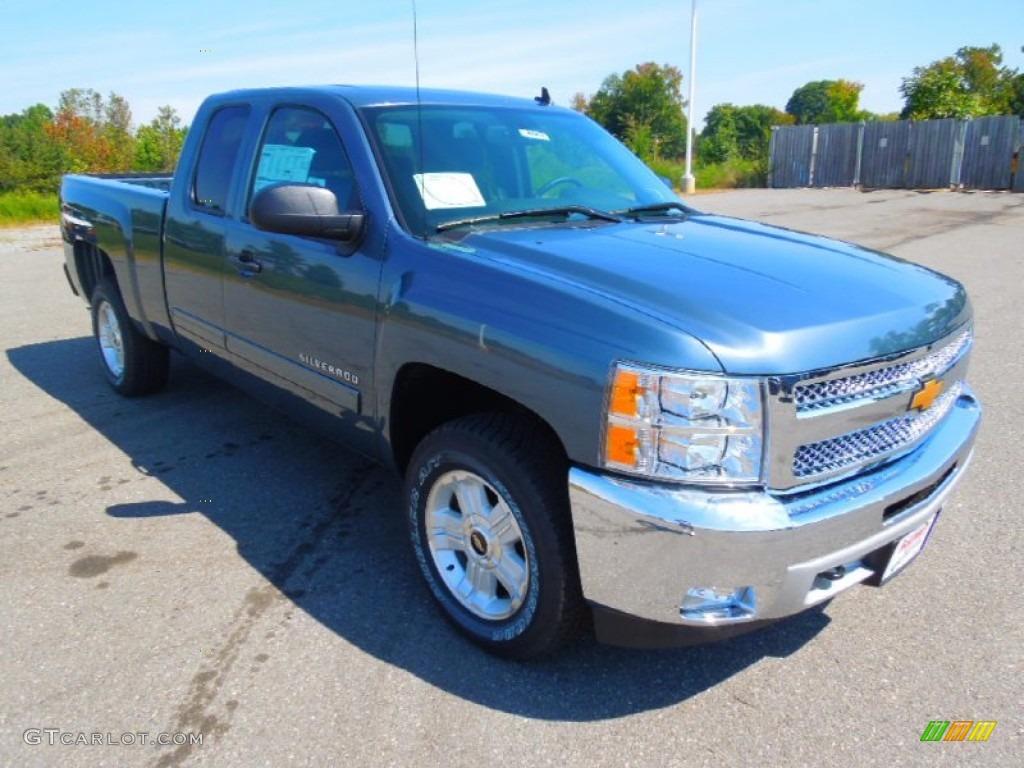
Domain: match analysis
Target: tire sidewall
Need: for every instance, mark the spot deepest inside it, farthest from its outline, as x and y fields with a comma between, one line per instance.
x=102, y=296
x=517, y=629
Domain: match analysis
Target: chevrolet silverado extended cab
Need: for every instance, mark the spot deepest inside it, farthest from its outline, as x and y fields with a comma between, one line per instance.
x=605, y=405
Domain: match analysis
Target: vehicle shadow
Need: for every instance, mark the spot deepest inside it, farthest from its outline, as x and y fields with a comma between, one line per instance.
x=324, y=527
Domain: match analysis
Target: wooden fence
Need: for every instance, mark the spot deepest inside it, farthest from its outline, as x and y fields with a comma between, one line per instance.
x=979, y=153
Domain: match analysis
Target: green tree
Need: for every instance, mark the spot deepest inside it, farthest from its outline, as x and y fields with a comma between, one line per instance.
x=826, y=101
x=981, y=67
x=158, y=144
x=1014, y=89
x=971, y=82
x=938, y=91
x=84, y=103
x=117, y=114
x=719, y=141
x=94, y=134
x=117, y=128
x=29, y=157
x=732, y=132
x=643, y=107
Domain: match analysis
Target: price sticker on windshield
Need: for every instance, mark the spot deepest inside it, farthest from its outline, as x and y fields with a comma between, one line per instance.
x=448, y=190
x=528, y=133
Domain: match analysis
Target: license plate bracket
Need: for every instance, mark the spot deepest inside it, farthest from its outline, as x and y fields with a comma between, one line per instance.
x=893, y=559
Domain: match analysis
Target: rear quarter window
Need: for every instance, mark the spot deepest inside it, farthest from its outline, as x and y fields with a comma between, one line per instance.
x=218, y=158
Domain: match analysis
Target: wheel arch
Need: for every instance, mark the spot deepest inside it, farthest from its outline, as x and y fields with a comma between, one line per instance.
x=92, y=265
x=424, y=397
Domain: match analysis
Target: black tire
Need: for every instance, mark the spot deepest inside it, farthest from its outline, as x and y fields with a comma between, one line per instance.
x=504, y=572
x=133, y=364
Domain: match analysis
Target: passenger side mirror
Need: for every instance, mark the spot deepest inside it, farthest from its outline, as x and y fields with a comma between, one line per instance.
x=304, y=209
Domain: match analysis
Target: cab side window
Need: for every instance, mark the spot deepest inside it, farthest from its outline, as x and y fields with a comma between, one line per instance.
x=218, y=158
x=300, y=146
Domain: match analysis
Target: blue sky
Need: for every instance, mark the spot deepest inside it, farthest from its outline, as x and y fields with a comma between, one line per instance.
x=749, y=51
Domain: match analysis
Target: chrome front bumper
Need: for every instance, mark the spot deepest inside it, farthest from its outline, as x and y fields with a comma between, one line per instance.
x=642, y=546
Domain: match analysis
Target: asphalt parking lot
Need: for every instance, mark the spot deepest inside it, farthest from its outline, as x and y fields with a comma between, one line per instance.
x=195, y=563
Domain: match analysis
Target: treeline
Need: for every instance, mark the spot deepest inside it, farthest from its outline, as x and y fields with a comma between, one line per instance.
x=644, y=108
x=87, y=133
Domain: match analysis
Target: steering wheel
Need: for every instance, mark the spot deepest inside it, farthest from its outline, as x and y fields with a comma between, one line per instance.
x=555, y=182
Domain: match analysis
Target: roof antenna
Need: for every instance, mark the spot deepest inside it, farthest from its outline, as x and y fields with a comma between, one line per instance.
x=419, y=113
x=416, y=48
x=544, y=99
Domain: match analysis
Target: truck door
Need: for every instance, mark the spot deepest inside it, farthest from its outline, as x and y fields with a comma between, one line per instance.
x=301, y=311
x=197, y=222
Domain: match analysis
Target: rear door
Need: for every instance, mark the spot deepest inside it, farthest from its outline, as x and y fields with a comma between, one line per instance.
x=301, y=311
x=197, y=224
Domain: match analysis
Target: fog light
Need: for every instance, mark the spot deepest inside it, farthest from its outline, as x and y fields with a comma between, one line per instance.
x=718, y=604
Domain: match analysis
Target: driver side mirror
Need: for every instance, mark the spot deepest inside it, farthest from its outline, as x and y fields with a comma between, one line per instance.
x=304, y=209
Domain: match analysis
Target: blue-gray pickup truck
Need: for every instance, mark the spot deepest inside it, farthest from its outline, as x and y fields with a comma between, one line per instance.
x=606, y=406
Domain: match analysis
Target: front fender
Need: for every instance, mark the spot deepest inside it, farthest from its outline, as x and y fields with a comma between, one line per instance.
x=545, y=344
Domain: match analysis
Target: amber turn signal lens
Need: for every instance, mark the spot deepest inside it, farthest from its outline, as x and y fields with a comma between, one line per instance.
x=626, y=390
x=622, y=444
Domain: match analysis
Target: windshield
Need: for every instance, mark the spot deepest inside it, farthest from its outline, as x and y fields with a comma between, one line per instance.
x=455, y=166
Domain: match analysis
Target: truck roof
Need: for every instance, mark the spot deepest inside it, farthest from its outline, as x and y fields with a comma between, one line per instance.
x=381, y=95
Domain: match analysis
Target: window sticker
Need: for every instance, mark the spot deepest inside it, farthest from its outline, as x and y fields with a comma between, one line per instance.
x=395, y=135
x=448, y=190
x=528, y=133
x=281, y=162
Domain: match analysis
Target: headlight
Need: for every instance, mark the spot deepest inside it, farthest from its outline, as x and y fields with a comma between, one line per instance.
x=687, y=427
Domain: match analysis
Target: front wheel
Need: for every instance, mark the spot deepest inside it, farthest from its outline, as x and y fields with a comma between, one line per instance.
x=489, y=524
x=133, y=363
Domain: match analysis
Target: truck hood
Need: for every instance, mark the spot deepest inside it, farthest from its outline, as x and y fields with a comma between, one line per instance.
x=764, y=300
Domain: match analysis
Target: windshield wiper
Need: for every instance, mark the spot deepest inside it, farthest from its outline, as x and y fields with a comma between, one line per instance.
x=640, y=210
x=560, y=210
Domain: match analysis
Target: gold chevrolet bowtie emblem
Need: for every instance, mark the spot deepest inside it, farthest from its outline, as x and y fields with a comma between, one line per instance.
x=927, y=395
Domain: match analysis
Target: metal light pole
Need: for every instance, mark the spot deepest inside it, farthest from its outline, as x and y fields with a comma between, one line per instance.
x=689, y=182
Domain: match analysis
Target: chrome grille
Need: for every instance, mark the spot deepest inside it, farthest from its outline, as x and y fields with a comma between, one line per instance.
x=862, y=446
x=879, y=383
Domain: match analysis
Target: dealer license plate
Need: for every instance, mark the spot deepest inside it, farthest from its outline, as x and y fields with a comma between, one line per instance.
x=907, y=548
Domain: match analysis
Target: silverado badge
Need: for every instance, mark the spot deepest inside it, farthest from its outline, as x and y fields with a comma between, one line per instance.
x=332, y=370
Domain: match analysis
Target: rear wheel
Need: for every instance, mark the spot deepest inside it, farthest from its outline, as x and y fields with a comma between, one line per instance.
x=134, y=364
x=490, y=529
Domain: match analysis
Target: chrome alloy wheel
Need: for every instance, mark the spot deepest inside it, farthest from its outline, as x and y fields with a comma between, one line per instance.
x=477, y=545
x=111, y=345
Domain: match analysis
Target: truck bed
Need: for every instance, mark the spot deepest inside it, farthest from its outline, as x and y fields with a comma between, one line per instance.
x=161, y=181
x=122, y=216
